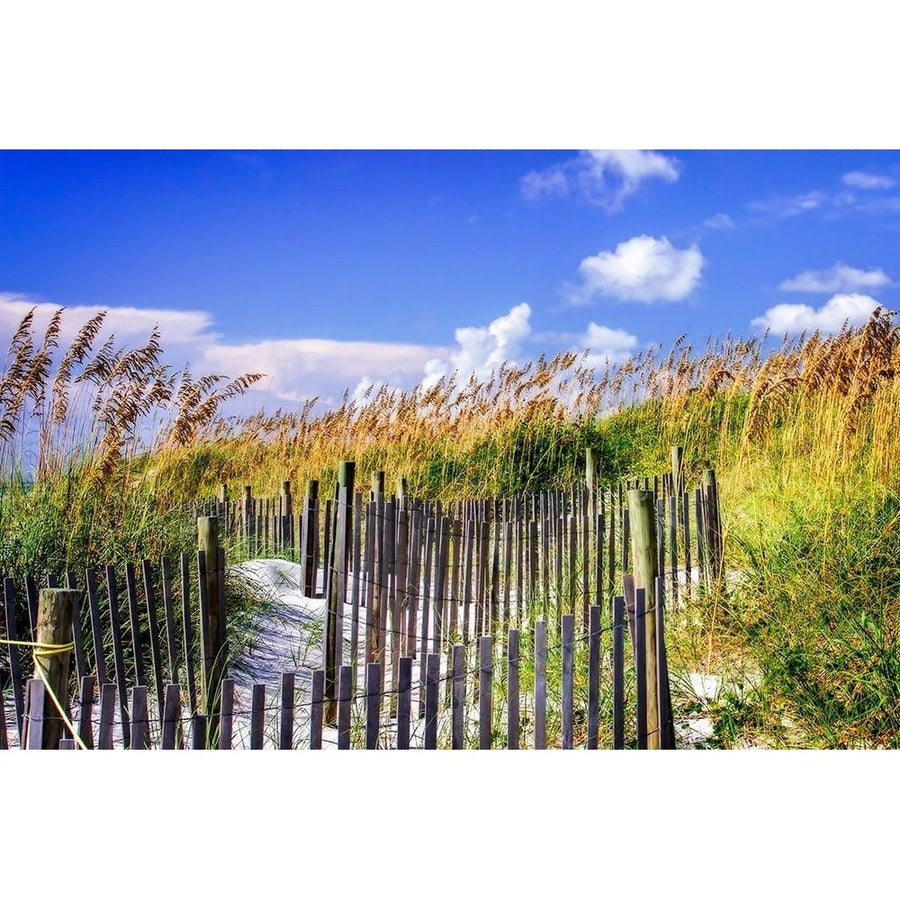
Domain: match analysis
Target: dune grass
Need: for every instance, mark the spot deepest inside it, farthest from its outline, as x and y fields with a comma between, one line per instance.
x=99, y=445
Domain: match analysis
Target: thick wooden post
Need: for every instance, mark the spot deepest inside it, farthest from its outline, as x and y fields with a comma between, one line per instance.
x=309, y=538
x=54, y=626
x=645, y=557
x=212, y=634
x=337, y=589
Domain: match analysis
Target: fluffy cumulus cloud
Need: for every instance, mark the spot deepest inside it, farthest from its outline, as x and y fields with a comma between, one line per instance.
x=481, y=349
x=866, y=181
x=604, y=178
x=839, y=278
x=793, y=318
x=643, y=269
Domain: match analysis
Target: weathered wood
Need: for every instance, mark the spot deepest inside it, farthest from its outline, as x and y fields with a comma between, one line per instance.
x=54, y=629
x=140, y=734
x=31, y=595
x=713, y=525
x=226, y=716
x=317, y=700
x=86, y=710
x=257, y=716
x=171, y=716
x=36, y=699
x=198, y=732
x=404, y=704
x=641, y=671
x=207, y=652
x=188, y=629
x=568, y=681
x=77, y=633
x=646, y=568
x=15, y=659
x=169, y=616
x=286, y=723
x=459, y=697
x=153, y=629
x=540, y=685
x=355, y=595
x=212, y=626
x=107, y=715
x=345, y=695
x=4, y=738
x=134, y=618
x=90, y=579
x=432, y=684
x=334, y=609
x=593, y=714
x=373, y=705
x=512, y=680
x=619, y=673
x=666, y=720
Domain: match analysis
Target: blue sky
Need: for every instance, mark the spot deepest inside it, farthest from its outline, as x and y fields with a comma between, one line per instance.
x=333, y=270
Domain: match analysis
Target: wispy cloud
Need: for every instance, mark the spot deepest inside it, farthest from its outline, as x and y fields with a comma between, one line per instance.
x=839, y=278
x=794, y=318
x=866, y=181
x=718, y=222
x=604, y=178
x=788, y=207
x=643, y=269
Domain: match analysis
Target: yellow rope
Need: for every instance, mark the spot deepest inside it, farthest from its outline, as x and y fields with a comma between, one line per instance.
x=42, y=651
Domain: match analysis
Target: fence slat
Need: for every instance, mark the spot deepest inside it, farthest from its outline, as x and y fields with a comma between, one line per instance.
x=171, y=714
x=226, y=716
x=257, y=716
x=640, y=664
x=568, y=680
x=485, y=692
x=118, y=653
x=139, y=723
x=153, y=629
x=188, y=629
x=90, y=579
x=431, y=700
x=134, y=616
x=373, y=704
x=593, y=714
x=198, y=732
x=86, y=707
x=169, y=615
x=4, y=738
x=512, y=678
x=107, y=714
x=15, y=662
x=540, y=685
x=286, y=730
x=345, y=693
x=404, y=705
x=459, y=695
x=77, y=633
x=317, y=709
x=34, y=714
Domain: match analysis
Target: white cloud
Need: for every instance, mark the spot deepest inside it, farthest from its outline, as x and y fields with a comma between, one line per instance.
x=643, y=269
x=839, y=278
x=601, y=177
x=867, y=182
x=787, y=207
x=606, y=346
x=308, y=367
x=793, y=318
x=128, y=323
x=482, y=349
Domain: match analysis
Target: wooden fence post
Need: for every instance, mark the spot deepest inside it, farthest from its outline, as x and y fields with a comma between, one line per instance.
x=54, y=626
x=645, y=557
x=212, y=624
